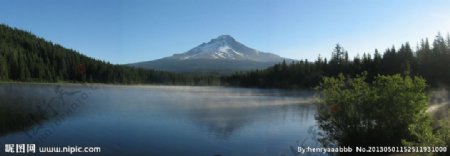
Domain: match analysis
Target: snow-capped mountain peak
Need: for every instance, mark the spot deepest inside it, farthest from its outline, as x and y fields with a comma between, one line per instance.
x=225, y=38
x=225, y=47
x=221, y=55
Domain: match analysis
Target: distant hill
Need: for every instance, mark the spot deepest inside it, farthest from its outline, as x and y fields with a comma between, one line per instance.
x=220, y=55
x=26, y=57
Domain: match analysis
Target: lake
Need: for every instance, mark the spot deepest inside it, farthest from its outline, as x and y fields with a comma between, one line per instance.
x=158, y=120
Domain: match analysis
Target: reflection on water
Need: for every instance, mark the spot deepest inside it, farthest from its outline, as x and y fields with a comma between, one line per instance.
x=17, y=117
x=223, y=121
x=19, y=110
x=25, y=108
x=157, y=120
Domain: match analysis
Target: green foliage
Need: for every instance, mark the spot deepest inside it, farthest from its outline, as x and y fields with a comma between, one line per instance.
x=26, y=57
x=388, y=112
x=443, y=133
x=3, y=69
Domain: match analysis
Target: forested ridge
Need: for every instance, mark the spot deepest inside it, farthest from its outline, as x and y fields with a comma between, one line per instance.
x=26, y=57
x=428, y=60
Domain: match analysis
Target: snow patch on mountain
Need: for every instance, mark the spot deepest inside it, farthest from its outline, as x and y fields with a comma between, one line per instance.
x=226, y=47
x=222, y=55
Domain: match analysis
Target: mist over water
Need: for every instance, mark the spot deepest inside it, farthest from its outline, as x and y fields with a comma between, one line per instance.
x=439, y=103
x=159, y=120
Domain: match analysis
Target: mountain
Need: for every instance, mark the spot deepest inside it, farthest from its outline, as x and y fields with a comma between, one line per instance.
x=226, y=47
x=220, y=55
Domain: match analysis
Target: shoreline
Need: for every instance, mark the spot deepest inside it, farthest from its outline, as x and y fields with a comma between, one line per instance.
x=84, y=84
x=139, y=85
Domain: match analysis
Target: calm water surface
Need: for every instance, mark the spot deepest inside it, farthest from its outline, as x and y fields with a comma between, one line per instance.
x=158, y=120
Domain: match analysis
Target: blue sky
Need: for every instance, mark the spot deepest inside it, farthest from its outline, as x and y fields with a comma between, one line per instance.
x=126, y=31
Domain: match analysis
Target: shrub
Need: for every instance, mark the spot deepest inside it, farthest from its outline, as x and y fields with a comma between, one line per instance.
x=390, y=111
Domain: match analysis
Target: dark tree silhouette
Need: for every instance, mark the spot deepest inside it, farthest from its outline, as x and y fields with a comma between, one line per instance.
x=430, y=62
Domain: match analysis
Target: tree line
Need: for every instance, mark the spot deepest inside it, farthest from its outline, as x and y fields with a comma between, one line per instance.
x=429, y=60
x=26, y=57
